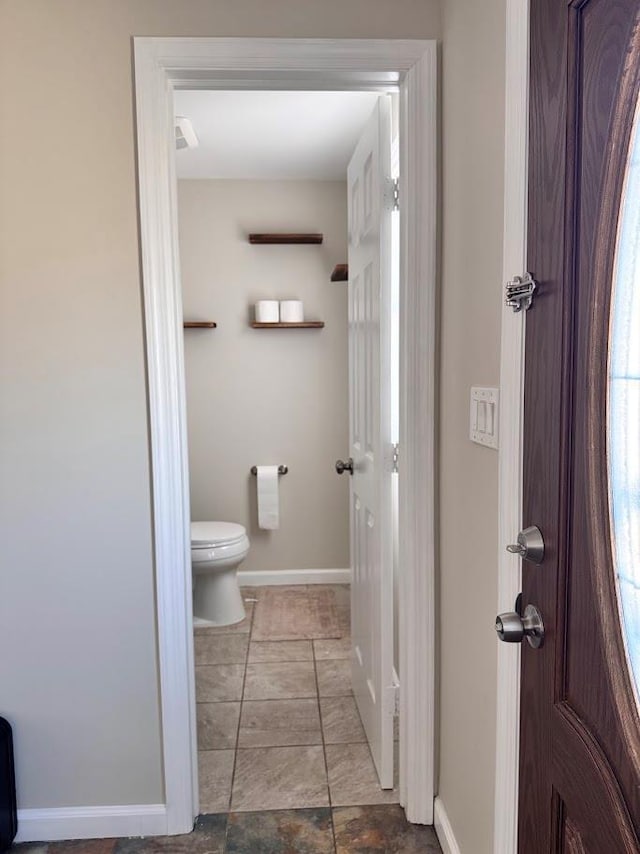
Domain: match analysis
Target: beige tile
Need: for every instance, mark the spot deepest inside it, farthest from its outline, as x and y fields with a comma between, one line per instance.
x=221, y=649
x=280, y=651
x=219, y=682
x=352, y=777
x=280, y=681
x=217, y=725
x=276, y=723
x=332, y=649
x=273, y=778
x=334, y=678
x=215, y=774
x=341, y=722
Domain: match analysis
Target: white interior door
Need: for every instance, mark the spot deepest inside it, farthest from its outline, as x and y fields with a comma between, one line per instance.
x=370, y=213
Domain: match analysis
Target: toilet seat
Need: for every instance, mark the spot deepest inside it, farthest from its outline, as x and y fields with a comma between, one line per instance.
x=208, y=535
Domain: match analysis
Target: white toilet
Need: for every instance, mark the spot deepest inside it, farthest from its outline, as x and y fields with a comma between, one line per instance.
x=217, y=550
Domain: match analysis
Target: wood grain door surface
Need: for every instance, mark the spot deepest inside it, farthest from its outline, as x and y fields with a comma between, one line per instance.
x=580, y=727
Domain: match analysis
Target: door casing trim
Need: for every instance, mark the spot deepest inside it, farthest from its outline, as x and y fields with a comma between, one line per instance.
x=162, y=64
x=511, y=421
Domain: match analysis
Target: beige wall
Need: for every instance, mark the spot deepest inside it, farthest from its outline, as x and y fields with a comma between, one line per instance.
x=78, y=667
x=263, y=396
x=473, y=162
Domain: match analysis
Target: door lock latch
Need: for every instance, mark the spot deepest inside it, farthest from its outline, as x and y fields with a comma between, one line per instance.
x=519, y=292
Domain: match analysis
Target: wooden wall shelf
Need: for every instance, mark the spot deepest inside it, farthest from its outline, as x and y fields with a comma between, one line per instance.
x=340, y=273
x=266, y=239
x=307, y=324
x=199, y=324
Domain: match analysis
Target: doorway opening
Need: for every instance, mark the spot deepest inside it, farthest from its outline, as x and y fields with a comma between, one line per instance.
x=281, y=195
x=167, y=64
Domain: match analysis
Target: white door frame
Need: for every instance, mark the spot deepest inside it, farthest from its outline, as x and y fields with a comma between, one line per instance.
x=511, y=420
x=162, y=64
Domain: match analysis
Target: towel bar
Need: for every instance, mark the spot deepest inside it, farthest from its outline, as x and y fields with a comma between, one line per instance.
x=281, y=470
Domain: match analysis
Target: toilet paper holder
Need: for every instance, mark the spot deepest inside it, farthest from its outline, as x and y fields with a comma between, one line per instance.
x=281, y=470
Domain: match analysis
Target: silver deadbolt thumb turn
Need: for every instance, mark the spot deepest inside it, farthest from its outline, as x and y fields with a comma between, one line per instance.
x=512, y=628
x=530, y=545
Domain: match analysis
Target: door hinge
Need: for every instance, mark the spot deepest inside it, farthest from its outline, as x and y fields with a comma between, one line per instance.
x=392, y=194
x=395, y=457
x=392, y=699
x=519, y=292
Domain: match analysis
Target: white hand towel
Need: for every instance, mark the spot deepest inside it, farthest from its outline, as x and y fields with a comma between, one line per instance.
x=268, y=503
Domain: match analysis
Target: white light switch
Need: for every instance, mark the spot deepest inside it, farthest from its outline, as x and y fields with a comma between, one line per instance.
x=483, y=421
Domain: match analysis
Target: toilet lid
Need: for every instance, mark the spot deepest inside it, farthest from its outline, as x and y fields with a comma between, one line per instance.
x=215, y=533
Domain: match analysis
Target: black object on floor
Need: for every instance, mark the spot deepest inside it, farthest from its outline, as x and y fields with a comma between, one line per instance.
x=8, y=811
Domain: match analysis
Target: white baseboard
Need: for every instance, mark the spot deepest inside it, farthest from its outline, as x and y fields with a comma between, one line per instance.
x=48, y=825
x=294, y=576
x=443, y=829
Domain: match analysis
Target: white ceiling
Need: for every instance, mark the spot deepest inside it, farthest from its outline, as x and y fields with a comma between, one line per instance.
x=272, y=135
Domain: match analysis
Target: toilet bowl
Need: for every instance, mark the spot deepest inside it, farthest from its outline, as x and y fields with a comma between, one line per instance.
x=217, y=550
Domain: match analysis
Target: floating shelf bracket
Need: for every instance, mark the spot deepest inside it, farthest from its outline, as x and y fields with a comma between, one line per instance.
x=266, y=239
x=340, y=273
x=307, y=324
x=199, y=324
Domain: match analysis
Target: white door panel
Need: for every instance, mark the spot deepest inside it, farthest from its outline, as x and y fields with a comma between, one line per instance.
x=370, y=318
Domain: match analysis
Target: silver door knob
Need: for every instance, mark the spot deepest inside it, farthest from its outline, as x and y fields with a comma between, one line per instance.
x=342, y=467
x=512, y=628
x=530, y=545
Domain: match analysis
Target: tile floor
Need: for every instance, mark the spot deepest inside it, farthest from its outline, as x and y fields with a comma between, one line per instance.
x=283, y=761
x=380, y=829
x=278, y=727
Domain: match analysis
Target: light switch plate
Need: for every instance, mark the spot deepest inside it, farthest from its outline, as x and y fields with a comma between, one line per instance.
x=483, y=418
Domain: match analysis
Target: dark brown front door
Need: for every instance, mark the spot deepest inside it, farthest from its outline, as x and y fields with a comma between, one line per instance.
x=580, y=727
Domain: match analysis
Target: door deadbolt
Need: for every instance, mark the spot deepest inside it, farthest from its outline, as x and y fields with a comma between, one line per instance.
x=512, y=628
x=530, y=545
x=342, y=467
